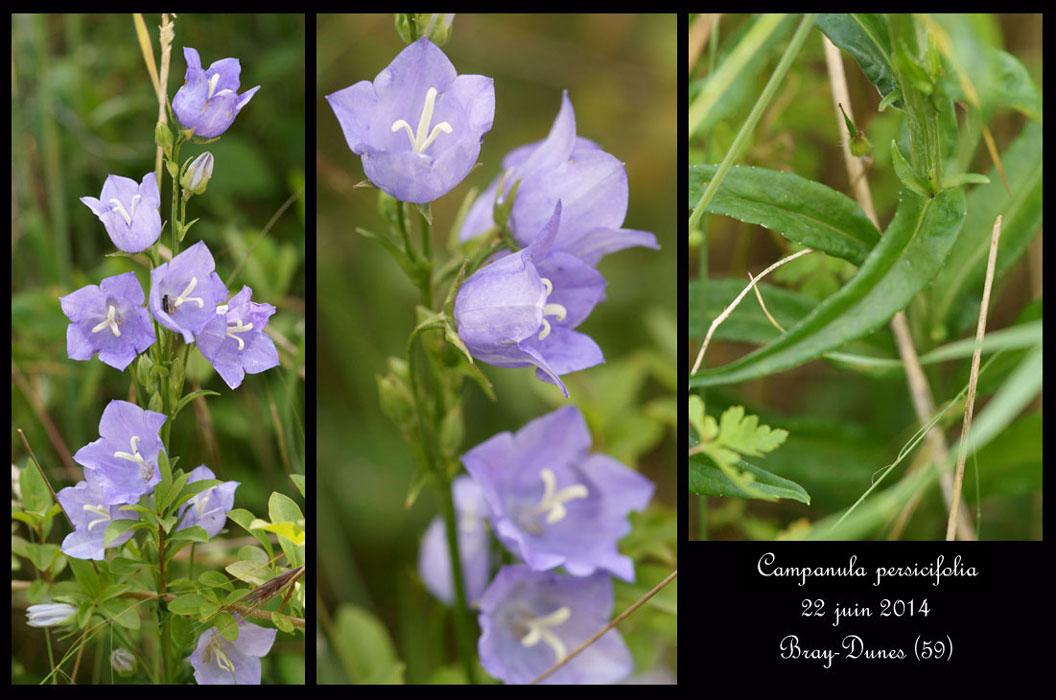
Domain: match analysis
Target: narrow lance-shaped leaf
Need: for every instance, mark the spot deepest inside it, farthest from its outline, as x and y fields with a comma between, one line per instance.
x=865, y=37
x=708, y=480
x=904, y=262
x=801, y=210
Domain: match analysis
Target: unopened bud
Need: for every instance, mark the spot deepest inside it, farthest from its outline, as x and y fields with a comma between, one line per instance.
x=122, y=661
x=196, y=176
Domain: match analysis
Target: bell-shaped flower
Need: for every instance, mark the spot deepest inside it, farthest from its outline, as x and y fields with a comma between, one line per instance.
x=84, y=505
x=208, y=101
x=434, y=560
x=208, y=509
x=531, y=620
x=124, y=460
x=234, y=341
x=551, y=502
x=185, y=291
x=219, y=661
x=129, y=211
x=520, y=309
x=590, y=184
x=49, y=614
x=108, y=319
x=419, y=125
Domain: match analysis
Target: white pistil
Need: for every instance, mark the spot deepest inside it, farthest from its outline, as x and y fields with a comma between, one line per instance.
x=126, y=215
x=556, y=310
x=238, y=327
x=187, y=290
x=110, y=320
x=98, y=510
x=147, y=470
x=423, y=138
x=553, y=503
x=212, y=85
x=538, y=631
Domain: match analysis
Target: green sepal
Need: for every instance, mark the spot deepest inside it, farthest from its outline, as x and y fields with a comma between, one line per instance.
x=909, y=177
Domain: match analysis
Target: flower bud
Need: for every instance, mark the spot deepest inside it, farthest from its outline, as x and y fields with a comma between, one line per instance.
x=49, y=614
x=437, y=27
x=196, y=176
x=163, y=138
x=122, y=661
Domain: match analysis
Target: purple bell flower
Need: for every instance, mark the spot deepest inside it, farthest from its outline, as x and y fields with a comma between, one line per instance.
x=234, y=341
x=129, y=211
x=109, y=319
x=218, y=661
x=90, y=516
x=520, y=309
x=590, y=183
x=185, y=291
x=551, y=503
x=434, y=561
x=419, y=125
x=208, y=101
x=208, y=509
x=124, y=460
x=530, y=620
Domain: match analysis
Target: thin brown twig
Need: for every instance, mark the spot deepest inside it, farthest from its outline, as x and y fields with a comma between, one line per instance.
x=44, y=476
x=733, y=305
x=615, y=621
x=980, y=331
x=920, y=392
x=759, y=296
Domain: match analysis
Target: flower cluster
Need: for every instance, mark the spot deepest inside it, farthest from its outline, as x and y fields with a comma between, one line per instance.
x=552, y=504
x=118, y=321
x=549, y=501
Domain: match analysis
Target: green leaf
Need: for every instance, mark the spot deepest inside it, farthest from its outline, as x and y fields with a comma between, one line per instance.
x=191, y=397
x=865, y=37
x=287, y=530
x=250, y=572
x=801, y=210
x=171, y=492
x=35, y=495
x=122, y=611
x=905, y=172
x=904, y=262
x=954, y=302
x=282, y=508
x=116, y=528
x=298, y=481
x=190, y=534
x=243, y=517
x=282, y=622
x=707, y=479
x=186, y=604
x=194, y=488
x=226, y=626
x=122, y=565
x=365, y=647
x=85, y=574
x=42, y=555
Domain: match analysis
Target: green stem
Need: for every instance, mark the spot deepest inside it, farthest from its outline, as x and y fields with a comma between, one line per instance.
x=175, y=189
x=753, y=118
x=463, y=640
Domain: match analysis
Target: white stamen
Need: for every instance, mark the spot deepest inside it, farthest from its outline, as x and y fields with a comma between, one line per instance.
x=111, y=321
x=121, y=210
x=239, y=328
x=212, y=85
x=216, y=651
x=538, y=631
x=146, y=469
x=99, y=510
x=200, y=503
x=555, y=502
x=423, y=138
x=187, y=290
x=548, y=284
x=556, y=310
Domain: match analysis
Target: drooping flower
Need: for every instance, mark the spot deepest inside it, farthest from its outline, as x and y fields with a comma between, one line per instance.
x=129, y=211
x=208, y=101
x=109, y=319
x=551, y=502
x=208, y=509
x=49, y=614
x=124, y=460
x=590, y=184
x=218, y=661
x=530, y=620
x=520, y=310
x=234, y=341
x=419, y=125
x=84, y=505
x=434, y=561
x=185, y=292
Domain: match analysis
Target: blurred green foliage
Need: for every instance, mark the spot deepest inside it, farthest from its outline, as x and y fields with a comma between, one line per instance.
x=620, y=73
x=83, y=106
